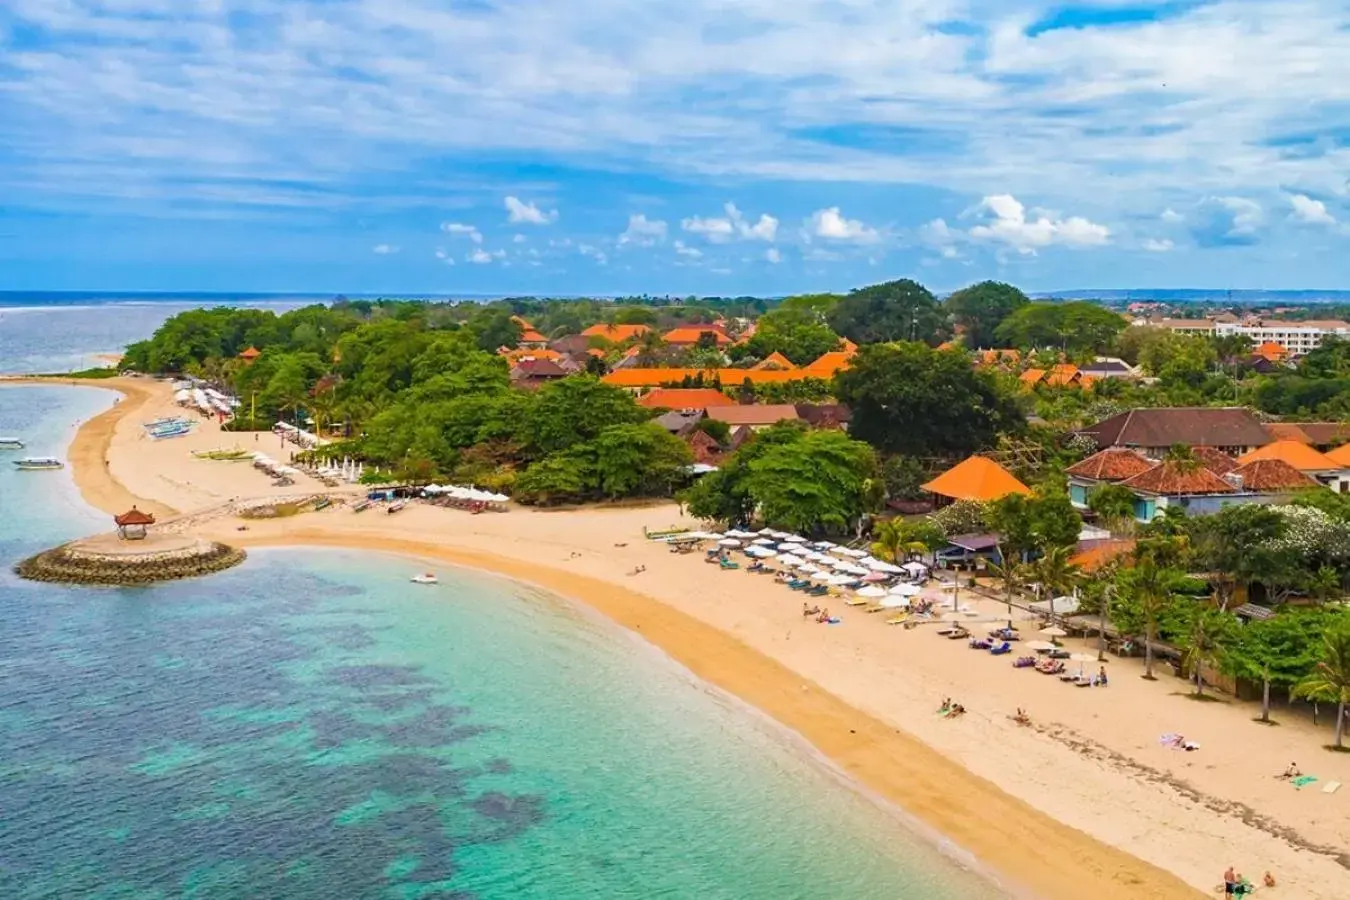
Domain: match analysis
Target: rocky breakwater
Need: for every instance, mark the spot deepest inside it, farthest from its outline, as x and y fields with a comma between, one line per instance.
x=105, y=559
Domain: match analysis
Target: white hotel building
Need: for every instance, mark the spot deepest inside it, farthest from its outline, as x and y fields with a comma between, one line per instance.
x=1297, y=338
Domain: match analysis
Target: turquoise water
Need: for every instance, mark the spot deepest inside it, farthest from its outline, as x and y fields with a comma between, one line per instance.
x=310, y=725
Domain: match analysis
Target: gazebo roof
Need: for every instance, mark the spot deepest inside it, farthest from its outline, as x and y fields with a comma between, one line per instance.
x=133, y=516
x=250, y=353
x=978, y=478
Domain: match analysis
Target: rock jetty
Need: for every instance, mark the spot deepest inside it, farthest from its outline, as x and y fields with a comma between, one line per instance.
x=106, y=560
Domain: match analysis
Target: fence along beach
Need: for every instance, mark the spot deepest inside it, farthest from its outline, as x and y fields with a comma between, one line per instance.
x=1086, y=802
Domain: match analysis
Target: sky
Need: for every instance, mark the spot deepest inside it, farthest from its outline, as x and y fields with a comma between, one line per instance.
x=672, y=146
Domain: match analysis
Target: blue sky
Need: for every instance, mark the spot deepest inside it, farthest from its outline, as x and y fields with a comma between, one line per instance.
x=672, y=146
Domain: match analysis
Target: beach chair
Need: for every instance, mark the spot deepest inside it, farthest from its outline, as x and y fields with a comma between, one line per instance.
x=728, y=564
x=898, y=620
x=1002, y=648
x=856, y=601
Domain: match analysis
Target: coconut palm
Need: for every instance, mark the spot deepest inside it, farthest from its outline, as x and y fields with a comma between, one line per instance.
x=1153, y=591
x=1330, y=681
x=1057, y=573
x=1210, y=633
x=1012, y=574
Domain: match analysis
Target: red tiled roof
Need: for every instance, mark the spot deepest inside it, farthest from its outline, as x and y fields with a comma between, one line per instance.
x=692, y=334
x=636, y=377
x=1272, y=475
x=1192, y=426
x=1111, y=464
x=1214, y=459
x=538, y=368
x=1171, y=479
x=685, y=398
x=705, y=447
x=774, y=360
x=616, y=333
x=134, y=516
x=251, y=353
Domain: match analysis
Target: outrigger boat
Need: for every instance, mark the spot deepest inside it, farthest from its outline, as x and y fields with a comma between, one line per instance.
x=425, y=578
x=10, y=443
x=396, y=506
x=35, y=463
x=362, y=506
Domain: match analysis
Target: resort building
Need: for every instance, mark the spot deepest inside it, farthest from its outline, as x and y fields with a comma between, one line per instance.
x=1153, y=432
x=1305, y=459
x=528, y=336
x=534, y=373
x=1295, y=338
x=684, y=398
x=616, y=334
x=689, y=337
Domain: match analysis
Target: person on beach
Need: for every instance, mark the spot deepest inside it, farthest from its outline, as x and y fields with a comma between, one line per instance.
x=1230, y=881
x=1269, y=880
x=1291, y=772
x=1022, y=718
x=946, y=705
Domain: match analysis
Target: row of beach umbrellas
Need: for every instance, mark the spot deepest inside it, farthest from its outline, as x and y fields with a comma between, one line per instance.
x=458, y=492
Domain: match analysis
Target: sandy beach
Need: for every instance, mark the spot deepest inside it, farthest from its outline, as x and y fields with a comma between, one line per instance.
x=1086, y=803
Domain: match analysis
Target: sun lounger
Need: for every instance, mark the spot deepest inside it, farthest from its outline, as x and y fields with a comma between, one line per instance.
x=898, y=620
x=876, y=609
x=1332, y=787
x=856, y=601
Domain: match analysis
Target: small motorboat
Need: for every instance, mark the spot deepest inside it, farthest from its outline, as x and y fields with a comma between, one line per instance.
x=362, y=506
x=10, y=443
x=396, y=506
x=37, y=463
x=425, y=578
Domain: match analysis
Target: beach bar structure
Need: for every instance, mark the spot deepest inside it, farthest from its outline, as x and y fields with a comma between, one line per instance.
x=132, y=524
x=978, y=478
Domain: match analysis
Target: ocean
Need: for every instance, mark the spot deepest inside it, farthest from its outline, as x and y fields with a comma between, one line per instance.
x=310, y=725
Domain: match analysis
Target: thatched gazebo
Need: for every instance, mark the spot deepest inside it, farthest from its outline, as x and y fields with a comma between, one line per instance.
x=131, y=525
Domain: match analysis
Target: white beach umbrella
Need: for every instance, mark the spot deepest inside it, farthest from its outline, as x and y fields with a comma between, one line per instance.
x=811, y=570
x=893, y=602
x=766, y=531
x=915, y=568
x=729, y=542
x=856, y=554
x=839, y=580
x=762, y=541
x=906, y=590
x=1054, y=631
x=823, y=545
x=870, y=591
x=1039, y=645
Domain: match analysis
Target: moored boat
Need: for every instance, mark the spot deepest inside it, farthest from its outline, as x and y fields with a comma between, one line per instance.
x=396, y=506
x=425, y=578
x=39, y=462
x=10, y=443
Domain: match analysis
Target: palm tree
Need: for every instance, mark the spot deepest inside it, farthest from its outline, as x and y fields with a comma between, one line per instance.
x=1330, y=681
x=1208, y=636
x=1057, y=573
x=1012, y=574
x=1152, y=585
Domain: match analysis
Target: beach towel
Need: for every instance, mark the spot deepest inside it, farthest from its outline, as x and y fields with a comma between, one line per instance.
x=1332, y=787
x=1168, y=738
x=1301, y=780
x=835, y=620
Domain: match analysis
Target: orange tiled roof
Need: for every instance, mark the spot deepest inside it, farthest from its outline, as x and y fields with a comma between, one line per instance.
x=1031, y=376
x=1111, y=464
x=1173, y=480
x=637, y=377
x=1288, y=431
x=827, y=365
x=848, y=347
x=251, y=353
x=775, y=360
x=616, y=333
x=1340, y=456
x=1061, y=375
x=1102, y=552
x=991, y=357
x=515, y=356
x=691, y=335
x=1214, y=459
x=1300, y=456
x=978, y=478
x=685, y=398
x=1271, y=351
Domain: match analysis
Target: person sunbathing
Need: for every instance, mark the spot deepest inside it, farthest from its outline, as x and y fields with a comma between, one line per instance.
x=1291, y=772
x=1269, y=880
x=956, y=710
x=811, y=611
x=824, y=616
x=946, y=705
x=1022, y=718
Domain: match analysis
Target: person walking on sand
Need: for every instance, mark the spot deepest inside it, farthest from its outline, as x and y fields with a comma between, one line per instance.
x=1230, y=881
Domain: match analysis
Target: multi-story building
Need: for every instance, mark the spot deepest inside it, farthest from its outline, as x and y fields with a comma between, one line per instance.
x=1297, y=338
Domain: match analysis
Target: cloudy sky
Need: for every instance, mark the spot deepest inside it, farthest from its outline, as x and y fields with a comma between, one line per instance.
x=672, y=146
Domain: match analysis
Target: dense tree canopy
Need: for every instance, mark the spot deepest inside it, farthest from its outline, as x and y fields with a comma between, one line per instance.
x=1074, y=327
x=901, y=310
x=800, y=335
x=982, y=307
x=908, y=398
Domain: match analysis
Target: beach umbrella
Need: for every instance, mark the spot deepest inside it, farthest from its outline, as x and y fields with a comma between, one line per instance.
x=893, y=602
x=1039, y=645
x=856, y=554
x=768, y=531
x=870, y=591
x=811, y=570
x=762, y=541
x=874, y=576
x=839, y=580
x=906, y=590
x=823, y=545
x=915, y=568
x=1054, y=631
x=729, y=542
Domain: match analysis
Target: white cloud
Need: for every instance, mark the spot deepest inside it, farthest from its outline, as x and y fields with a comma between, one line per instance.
x=1158, y=245
x=520, y=212
x=594, y=253
x=732, y=226
x=444, y=257
x=685, y=250
x=1007, y=223
x=643, y=231
x=518, y=239
x=773, y=256
x=483, y=257
x=831, y=225
x=384, y=249
x=461, y=230
x=1171, y=216
x=1310, y=211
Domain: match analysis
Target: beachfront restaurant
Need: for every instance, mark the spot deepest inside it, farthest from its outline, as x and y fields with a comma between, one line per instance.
x=970, y=551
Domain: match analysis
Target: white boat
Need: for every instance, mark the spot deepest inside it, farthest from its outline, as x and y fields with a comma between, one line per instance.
x=39, y=462
x=425, y=578
x=9, y=443
x=396, y=506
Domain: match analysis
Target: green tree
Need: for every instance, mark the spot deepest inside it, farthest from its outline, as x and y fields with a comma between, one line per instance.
x=818, y=482
x=1074, y=327
x=907, y=398
x=1011, y=517
x=904, y=477
x=575, y=410
x=982, y=307
x=1055, y=523
x=800, y=335
x=1330, y=678
x=1114, y=506
x=724, y=496
x=901, y=310
x=1144, y=599
x=1281, y=650
x=1056, y=573
x=1232, y=546
x=559, y=478
x=494, y=328
x=640, y=459
x=898, y=540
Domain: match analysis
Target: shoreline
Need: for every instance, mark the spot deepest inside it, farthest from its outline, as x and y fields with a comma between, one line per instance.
x=1054, y=809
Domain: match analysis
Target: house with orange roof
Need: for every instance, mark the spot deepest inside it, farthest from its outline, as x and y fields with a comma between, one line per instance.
x=977, y=478
x=1109, y=466
x=774, y=360
x=1271, y=476
x=1272, y=351
x=1305, y=459
x=1063, y=375
x=251, y=354
x=616, y=334
x=515, y=356
x=688, y=336
x=684, y=398
x=827, y=366
x=998, y=357
x=528, y=336
x=1032, y=377
x=1340, y=456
